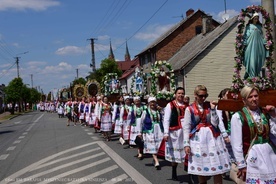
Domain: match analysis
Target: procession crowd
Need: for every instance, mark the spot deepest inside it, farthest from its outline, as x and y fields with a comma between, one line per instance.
x=210, y=142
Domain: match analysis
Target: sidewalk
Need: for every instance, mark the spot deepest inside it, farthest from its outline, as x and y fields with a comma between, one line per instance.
x=4, y=114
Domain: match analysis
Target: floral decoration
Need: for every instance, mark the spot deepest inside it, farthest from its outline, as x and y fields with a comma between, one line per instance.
x=107, y=84
x=155, y=72
x=261, y=82
x=144, y=77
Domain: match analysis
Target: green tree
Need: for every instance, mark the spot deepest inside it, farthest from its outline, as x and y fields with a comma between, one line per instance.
x=13, y=93
x=35, y=97
x=79, y=81
x=107, y=66
x=25, y=96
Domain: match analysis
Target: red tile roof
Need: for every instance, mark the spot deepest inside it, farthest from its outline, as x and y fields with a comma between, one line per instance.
x=131, y=67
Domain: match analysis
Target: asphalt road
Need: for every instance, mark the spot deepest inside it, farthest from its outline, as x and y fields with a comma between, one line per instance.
x=38, y=147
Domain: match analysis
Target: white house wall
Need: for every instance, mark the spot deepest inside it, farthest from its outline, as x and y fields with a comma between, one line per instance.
x=214, y=68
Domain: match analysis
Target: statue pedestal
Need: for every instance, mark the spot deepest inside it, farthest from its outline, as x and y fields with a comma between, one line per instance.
x=266, y=97
x=162, y=102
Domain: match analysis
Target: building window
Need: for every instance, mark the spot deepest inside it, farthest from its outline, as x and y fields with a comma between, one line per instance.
x=198, y=30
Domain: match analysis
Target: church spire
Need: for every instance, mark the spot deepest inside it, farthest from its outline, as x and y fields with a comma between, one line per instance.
x=111, y=55
x=127, y=55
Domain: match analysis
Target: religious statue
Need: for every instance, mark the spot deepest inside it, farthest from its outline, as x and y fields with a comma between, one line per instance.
x=163, y=80
x=255, y=51
x=139, y=83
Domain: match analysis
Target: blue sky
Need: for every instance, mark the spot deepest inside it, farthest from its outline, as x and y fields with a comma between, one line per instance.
x=54, y=33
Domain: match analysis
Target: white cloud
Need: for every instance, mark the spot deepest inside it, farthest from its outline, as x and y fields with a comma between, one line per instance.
x=103, y=37
x=36, y=63
x=230, y=13
x=58, y=69
x=21, y=5
x=153, y=32
x=71, y=50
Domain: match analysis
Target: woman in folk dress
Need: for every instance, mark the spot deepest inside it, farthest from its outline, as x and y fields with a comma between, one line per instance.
x=203, y=142
x=252, y=132
x=125, y=117
x=152, y=130
x=105, y=118
x=116, y=115
x=173, y=130
x=135, y=123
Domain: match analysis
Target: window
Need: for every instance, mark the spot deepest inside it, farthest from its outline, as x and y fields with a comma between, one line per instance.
x=198, y=29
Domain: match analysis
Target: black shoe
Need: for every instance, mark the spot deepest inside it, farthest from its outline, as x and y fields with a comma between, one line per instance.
x=174, y=178
x=157, y=167
x=140, y=157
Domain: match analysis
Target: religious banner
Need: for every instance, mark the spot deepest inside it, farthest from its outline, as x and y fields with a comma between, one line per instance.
x=92, y=87
x=139, y=83
x=111, y=84
x=162, y=80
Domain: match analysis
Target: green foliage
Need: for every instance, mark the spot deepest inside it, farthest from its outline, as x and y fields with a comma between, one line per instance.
x=13, y=90
x=79, y=81
x=34, y=95
x=107, y=66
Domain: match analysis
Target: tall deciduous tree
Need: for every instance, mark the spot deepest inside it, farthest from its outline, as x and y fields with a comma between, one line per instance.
x=107, y=66
x=13, y=92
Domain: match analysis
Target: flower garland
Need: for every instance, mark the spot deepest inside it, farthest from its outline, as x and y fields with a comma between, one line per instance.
x=107, y=84
x=133, y=81
x=261, y=82
x=155, y=72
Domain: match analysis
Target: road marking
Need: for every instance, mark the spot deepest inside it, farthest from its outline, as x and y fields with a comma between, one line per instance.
x=17, y=122
x=95, y=138
x=132, y=172
x=38, y=118
x=26, y=169
x=17, y=141
x=90, y=133
x=3, y=157
x=25, y=133
x=117, y=179
x=92, y=177
x=65, y=158
x=64, y=166
x=21, y=137
x=86, y=130
x=76, y=170
x=11, y=148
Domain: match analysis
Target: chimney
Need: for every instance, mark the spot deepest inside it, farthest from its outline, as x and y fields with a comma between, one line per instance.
x=189, y=12
x=207, y=24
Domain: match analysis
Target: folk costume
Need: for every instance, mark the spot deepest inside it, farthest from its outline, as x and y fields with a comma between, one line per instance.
x=209, y=155
x=125, y=118
x=97, y=112
x=251, y=137
x=105, y=117
x=152, y=130
x=116, y=118
x=174, y=112
x=135, y=123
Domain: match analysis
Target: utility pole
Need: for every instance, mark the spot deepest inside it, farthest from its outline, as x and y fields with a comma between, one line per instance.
x=93, y=64
x=17, y=65
x=17, y=62
x=32, y=80
x=77, y=73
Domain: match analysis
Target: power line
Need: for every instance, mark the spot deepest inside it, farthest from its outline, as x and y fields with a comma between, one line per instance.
x=142, y=25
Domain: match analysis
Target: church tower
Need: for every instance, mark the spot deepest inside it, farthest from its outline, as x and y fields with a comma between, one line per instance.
x=127, y=55
x=111, y=55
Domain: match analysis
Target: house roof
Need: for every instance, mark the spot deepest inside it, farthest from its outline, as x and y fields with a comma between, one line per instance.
x=125, y=65
x=198, y=44
x=135, y=63
x=171, y=30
